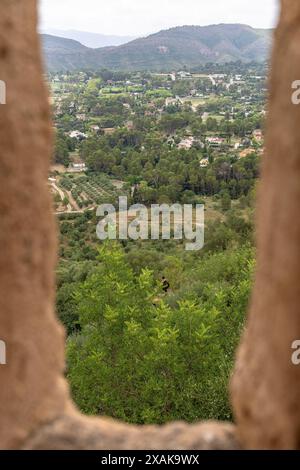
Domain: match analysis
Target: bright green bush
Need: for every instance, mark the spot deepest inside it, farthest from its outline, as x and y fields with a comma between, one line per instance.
x=143, y=361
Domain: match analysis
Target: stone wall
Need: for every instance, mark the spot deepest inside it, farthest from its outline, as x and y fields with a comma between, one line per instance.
x=35, y=406
x=266, y=385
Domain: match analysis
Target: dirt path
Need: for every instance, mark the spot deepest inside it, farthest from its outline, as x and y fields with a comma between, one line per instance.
x=74, y=204
x=61, y=195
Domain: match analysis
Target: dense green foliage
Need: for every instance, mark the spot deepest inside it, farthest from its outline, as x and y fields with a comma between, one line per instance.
x=63, y=146
x=141, y=360
x=137, y=353
x=168, y=175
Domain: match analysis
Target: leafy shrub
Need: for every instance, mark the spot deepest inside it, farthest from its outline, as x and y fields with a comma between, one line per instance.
x=141, y=360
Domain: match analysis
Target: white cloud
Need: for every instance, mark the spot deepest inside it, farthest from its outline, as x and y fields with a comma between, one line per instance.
x=140, y=17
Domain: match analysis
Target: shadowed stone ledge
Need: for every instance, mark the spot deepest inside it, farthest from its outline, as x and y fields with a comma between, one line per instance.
x=75, y=432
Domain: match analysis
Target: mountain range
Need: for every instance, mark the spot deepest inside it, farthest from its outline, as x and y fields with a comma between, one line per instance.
x=92, y=40
x=172, y=49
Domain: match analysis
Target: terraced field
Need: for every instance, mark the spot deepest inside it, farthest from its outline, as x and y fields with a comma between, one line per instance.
x=90, y=191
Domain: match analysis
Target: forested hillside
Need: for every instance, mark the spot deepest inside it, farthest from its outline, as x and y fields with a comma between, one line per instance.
x=173, y=49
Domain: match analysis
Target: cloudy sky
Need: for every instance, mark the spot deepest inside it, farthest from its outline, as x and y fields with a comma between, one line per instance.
x=140, y=17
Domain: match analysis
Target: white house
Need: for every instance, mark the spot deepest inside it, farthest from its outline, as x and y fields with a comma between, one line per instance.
x=77, y=135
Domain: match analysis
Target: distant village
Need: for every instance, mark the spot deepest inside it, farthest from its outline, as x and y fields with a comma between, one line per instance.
x=217, y=113
x=242, y=87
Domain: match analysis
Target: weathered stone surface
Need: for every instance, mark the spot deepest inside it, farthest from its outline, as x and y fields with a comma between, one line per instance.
x=74, y=431
x=32, y=390
x=266, y=385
